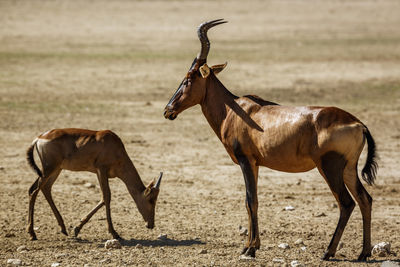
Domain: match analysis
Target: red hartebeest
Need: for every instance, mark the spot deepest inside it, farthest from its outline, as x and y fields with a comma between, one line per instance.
x=100, y=152
x=257, y=133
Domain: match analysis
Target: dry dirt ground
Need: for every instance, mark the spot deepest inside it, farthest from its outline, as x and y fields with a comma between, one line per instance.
x=115, y=64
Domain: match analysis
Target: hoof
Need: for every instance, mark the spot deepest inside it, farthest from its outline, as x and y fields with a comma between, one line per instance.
x=116, y=236
x=64, y=232
x=364, y=256
x=33, y=237
x=76, y=231
x=249, y=252
x=327, y=256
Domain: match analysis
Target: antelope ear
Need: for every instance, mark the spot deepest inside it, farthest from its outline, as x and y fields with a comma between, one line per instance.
x=218, y=68
x=204, y=70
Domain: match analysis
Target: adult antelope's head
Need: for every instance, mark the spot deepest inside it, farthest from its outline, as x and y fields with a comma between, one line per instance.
x=192, y=89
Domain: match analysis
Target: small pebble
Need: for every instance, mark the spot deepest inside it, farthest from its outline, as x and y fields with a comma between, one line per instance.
x=55, y=264
x=8, y=235
x=246, y=258
x=289, y=208
x=284, y=246
x=340, y=246
x=278, y=260
x=299, y=242
x=319, y=214
x=61, y=255
x=22, y=249
x=139, y=246
x=162, y=237
x=203, y=251
x=89, y=185
x=112, y=244
x=16, y=262
x=303, y=248
x=242, y=231
x=105, y=261
x=296, y=264
x=381, y=249
x=390, y=264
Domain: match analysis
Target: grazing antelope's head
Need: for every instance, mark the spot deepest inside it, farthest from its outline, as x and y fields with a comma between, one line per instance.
x=148, y=206
x=192, y=89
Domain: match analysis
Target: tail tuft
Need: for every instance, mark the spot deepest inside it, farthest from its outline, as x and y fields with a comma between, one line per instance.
x=371, y=166
x=31, y=160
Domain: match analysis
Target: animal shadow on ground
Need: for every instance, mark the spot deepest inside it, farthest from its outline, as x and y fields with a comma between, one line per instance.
x=368, y=261
x=167, y=242
x=161, y=242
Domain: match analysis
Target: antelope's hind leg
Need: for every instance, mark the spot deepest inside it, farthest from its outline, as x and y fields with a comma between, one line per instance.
x=33, y=191
x=364, y=201
x=46, y=190
x=331, y=167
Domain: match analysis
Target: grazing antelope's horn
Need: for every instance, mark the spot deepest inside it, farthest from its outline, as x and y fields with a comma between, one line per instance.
x=157, y=185
x=202, y=33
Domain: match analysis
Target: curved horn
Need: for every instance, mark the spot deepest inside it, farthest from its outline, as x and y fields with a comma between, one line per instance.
x=202, y=33
x=157, y=185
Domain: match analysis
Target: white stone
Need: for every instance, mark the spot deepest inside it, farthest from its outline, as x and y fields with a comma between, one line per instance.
x=112, y=244
x=246, y=258
x=299, y=242
x=278, y=260
x=242, y=230
x=289, y=208
x=22, y=249
x=55, y=264
x=381, y=249
x=14, y=261
x=284, y=246
x=390, y=264
x=296, y=264
x=89, y=185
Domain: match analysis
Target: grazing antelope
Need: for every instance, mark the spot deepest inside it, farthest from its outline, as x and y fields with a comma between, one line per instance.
x=100, y=152
x=257, y=133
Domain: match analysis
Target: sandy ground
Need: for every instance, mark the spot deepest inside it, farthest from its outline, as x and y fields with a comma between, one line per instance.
x=115, y=64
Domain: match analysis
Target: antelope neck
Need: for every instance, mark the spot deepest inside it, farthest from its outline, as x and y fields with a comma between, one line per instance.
x=216, y=103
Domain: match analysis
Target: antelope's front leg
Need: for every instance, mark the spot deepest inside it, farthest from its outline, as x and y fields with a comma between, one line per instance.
x=250, y=174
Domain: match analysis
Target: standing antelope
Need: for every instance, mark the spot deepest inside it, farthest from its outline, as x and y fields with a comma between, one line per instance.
x=100, y=152
x=257, y=133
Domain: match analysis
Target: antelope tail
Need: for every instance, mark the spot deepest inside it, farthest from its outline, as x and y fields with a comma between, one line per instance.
x=31, y=160
x=369, y=171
